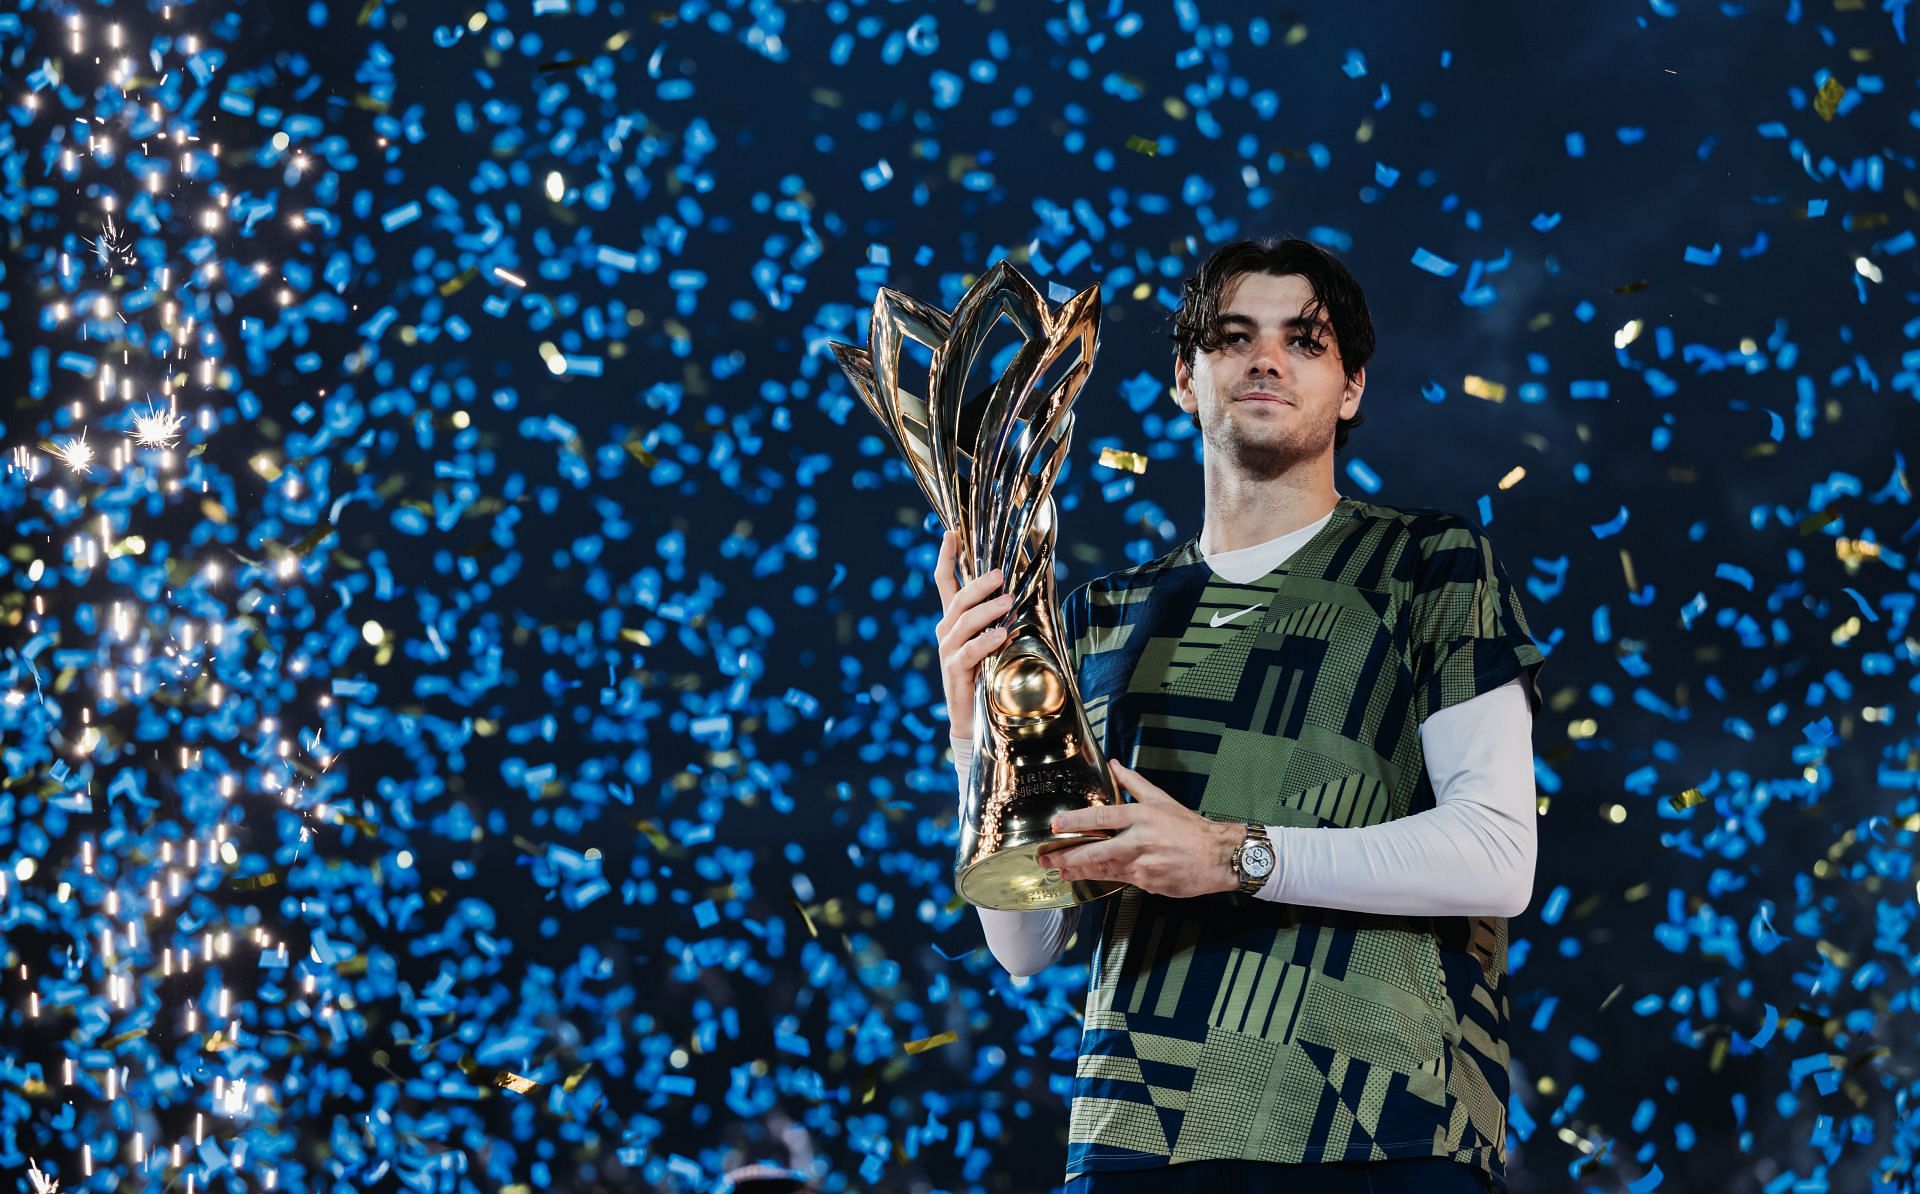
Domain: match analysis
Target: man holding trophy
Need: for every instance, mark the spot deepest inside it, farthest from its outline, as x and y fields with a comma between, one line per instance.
x=1324, y=705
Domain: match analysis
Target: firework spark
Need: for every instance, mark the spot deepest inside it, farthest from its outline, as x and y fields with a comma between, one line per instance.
x=76, y=453
x=156, y=428
x=112, y=247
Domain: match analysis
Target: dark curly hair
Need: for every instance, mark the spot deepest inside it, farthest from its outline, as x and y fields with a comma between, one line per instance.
x=1335, y=294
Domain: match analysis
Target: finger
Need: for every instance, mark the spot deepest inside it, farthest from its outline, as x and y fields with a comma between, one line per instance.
x=983, y=644
x=1094, y=870
x=1088, y=854
x=1137, y=785
x=943, y=578
x=973, y=591
x=964, y=624
x=964, y=620
x=1101, y=817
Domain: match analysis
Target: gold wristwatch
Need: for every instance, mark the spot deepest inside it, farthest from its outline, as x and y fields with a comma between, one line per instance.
x=1253, y=860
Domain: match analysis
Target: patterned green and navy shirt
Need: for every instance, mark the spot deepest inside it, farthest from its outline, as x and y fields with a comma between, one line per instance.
x=1227, y=1026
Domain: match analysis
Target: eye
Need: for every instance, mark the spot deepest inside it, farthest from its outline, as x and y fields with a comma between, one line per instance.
x=1308, y=342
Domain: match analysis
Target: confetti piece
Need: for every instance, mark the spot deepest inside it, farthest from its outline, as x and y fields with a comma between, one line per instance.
x=401, y=216
x=1826, y=101
x=1480, y=387
x=1686, y=800
x=932, y=1042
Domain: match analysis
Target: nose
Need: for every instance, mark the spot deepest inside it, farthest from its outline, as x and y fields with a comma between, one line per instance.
x=1269, y=356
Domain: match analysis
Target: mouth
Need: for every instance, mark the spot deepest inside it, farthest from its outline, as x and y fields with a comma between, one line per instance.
x=1264, y=396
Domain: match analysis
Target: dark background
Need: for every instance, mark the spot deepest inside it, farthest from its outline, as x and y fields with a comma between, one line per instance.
x=669, y=626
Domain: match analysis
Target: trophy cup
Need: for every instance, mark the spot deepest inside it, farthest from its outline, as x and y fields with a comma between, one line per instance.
x=987, y=463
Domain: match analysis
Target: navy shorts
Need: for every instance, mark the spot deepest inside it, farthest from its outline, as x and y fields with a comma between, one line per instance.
x=1417, y=1175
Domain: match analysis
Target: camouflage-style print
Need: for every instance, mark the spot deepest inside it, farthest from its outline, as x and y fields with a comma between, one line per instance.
x=1232, y=1027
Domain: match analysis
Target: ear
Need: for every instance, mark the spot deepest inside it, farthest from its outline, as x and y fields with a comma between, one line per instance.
x=1183, y=386
x=1350, y=399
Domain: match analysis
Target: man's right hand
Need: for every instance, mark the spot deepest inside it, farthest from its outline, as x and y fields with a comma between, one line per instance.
x=965, y=632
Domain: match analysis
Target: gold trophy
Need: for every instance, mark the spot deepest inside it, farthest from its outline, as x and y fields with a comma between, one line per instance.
x=988, y=465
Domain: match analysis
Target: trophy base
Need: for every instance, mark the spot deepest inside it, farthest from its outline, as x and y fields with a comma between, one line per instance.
x=1011, y=880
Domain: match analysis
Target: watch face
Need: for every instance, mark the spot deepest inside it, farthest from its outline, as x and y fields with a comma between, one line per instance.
x=1257, y=860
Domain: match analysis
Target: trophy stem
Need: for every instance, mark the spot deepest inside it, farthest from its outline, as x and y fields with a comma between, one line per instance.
x=1035, y=756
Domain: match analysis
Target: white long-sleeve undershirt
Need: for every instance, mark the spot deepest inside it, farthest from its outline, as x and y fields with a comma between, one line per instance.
x=1472, y=854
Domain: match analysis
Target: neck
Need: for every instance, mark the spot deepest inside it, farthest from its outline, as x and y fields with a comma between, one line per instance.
x=1242, y=510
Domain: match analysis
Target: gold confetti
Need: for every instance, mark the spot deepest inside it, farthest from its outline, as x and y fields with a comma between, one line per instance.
x=1132, y=462
x=1852, y=551
x=1626, y=566
x=1826, y=101
x=452, y=285
x=1514, y=476
x=1686, y=800
x=1145, y=145
x=1480, y=387
x=504, y=1079
x=805, y=919
x=931, y=1042
x=311, y=540
x=660, y=840
x=1819, y=522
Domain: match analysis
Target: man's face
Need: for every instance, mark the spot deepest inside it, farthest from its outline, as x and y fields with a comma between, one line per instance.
x=1271, y=396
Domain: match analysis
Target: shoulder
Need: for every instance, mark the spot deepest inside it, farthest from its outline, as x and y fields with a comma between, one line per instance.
x=1130, y=585
x=1418, y=540
x=1418, y=523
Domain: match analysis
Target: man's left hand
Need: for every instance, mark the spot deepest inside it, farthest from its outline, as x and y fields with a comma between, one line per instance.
x=1159, y=845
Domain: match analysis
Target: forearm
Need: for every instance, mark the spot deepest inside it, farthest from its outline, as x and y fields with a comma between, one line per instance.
x=1472, y=854
x=1451, y=860
x=1022, y=942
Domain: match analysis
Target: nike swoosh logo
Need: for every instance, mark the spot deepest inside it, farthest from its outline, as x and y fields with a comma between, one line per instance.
x=1219, y=620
